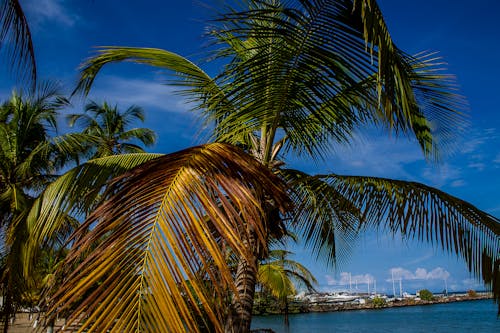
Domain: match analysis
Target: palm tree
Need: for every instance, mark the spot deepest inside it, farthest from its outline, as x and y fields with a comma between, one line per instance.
x=29, y=160
x=203, y=193
x=301, y=77
x=15, y=36
x=107, y=129
x=280, y=277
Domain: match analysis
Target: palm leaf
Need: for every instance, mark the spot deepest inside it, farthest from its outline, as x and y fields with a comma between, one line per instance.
x=307, y=71
x=424, y=213
x=16, y=35
x=152, y=237
x=74, y=194
x=327, y=220
x=273, y=277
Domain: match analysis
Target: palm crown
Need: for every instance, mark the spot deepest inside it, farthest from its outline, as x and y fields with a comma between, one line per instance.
x=29, y=161
x=107, y=129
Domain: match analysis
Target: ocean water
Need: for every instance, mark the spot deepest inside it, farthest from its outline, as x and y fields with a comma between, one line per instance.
x=459, y=317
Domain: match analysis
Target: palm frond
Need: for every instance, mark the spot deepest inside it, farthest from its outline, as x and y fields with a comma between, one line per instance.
x=327, y=220
x=152, y=237
x=193, y=75
x=417, y=211
x=309, y=69
x=15, y=35
x=274, y=278
x=144, y=135
x=75, y=193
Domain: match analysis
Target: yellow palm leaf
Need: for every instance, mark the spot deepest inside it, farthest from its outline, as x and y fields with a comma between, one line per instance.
x=151, y=239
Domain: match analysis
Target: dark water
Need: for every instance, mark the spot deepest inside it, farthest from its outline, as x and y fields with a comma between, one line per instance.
x=459, y=317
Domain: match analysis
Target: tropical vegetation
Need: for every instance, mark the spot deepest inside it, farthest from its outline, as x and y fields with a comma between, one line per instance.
x=300, y=78
x=157, y=247
x=426, y=295
x=107, y=129
x=280, y=277
x=29, y=160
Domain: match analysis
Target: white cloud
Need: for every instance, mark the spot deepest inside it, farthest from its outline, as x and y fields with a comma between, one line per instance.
x=437, y=273
x=478, y=166
x=144, y=93
x=441, y=175
x=347, y=278
x=378, y=155
x=457, y=183
x=426, y=256
x=471, y=284
x=40, y=11
x=473, y=144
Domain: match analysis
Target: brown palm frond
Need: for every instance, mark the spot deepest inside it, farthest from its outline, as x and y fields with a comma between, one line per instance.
x=152, y=237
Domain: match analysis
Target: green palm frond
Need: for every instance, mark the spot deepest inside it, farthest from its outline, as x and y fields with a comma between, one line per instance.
x=75, y=193
x=144, y=135
x=104, y=129
x=15, y=35
x=418, y=211
x=311, y=72
x=281, y=276
x=327, y=220
x=152, y=237
x=273, y=277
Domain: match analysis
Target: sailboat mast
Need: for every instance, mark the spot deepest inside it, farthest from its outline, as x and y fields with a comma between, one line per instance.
x=393, y=286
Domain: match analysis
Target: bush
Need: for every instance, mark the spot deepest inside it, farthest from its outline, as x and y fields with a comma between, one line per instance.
x=426, y=295
x=471, y=293
x=378, y=302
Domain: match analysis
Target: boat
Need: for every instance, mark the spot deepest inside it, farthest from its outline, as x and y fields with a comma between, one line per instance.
x=340, y=297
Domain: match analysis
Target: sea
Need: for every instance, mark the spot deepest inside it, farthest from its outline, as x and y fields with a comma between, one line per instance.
x=458, y=317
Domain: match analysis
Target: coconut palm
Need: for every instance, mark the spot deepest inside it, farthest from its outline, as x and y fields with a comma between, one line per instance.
x=203, y=193
x=29, y=160
x=301, y=77
x=107, y=129
x=15, y=38
x=281, y=276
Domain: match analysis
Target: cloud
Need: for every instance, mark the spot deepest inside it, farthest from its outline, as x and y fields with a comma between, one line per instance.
x=378, y=155
x=475, y=142
x=437, y=273
x=41, y=11
x=472, y=284
x=457, y=183
x=497, y=159
x=477, y=166
x=426, y=256
x=148, y=94
x=347, y=278
x=442, y=175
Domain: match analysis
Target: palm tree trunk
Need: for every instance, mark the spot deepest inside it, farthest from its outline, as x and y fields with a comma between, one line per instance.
x=7, y=309
x=287, y=322
x=240, y=311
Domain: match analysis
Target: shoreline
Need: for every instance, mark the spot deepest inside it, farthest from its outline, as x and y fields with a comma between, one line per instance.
x=394, y=304
x=296, y=307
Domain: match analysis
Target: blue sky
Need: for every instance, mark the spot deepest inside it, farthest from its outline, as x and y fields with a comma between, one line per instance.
x=465, y=32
